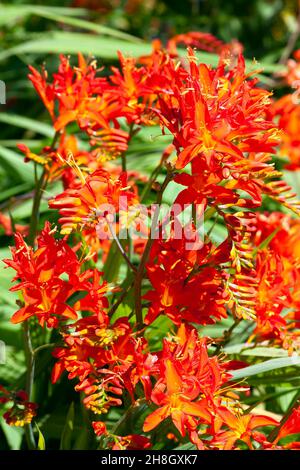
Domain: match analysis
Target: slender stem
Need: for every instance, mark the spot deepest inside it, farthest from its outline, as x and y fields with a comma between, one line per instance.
x=209, y=213
x=40, y=187
x=151, y=180
x=36, y=205
x=141, y=268
x=120, y=299
x=131, y=133
x=125, y=419
x=43, y=346
x=30, y=363
x=121, y=249
x=124, y=166
x=54, y=140
x=227, y=334
x=15, y=199
x=29, y=355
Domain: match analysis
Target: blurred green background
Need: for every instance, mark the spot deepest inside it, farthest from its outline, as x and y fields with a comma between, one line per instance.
x=32, y=34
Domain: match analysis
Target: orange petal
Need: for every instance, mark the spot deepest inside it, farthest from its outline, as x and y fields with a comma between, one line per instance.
x=20, y=315
x=155, y=418
x=174, y=382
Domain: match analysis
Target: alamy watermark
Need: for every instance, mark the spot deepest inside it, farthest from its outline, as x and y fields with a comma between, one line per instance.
x=159, y=221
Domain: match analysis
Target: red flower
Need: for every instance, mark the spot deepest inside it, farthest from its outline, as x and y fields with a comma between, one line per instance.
x=45, y=291
x=98, y=196
x=129, y=442
x=118, y=361
x=216, y=115
x=187, y=284
x=240, y=428
x=291, y=425
x=75, y=90
x=22, y=411
x=277, y=300
x=287, y=111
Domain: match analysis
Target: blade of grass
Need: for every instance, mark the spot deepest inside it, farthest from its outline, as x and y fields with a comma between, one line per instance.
x=13, y=161
x=71, y=43
x=266, y=366
x=27, y=123
x=84, y=24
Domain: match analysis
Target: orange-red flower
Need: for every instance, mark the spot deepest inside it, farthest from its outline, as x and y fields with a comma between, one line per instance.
x=278, y=288
x=286, y=111
x=129, y=442
x=187, y=283
x=188, y=386
x=78, y=91
x=216, y=115
x=49, y=276
x=291, y=425
x=240, y=428
x=44, y=292
x=22, y=411
x=67, y=162
x=99, y=196
x=106, y=358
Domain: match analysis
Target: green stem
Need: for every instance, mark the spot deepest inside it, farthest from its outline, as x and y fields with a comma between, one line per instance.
x=131, y=133
x=144, y=259
x=194, y=214
x=40, y=187
x=123, y=158
x=152, y=179
x=125, y=419
x=30, y=366
x=291, y=42
x=29, y=352
x=120, y=247
x=120, y=300
x=43, y=346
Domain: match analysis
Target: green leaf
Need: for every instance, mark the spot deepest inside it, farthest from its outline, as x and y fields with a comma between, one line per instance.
x=18, y=189
x=245, y=349
x=266, y=366
x=27, y=123
x=72, y=43
x=106, y=48
x=66, y=437
x=15, y=165
x=41, y=445
x=11, y=14
x=84, y=24
x=13, y=435
x=24, y=209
